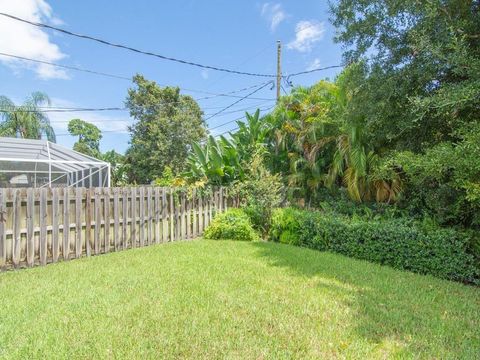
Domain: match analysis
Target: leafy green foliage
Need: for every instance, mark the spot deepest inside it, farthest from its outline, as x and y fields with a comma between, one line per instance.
x=258, y=194
x=233, y=224
x=251, y=137
x=89, y=137
x=423, y=80
x=444, y=180
x=26, y=121
x=217, y=161
x=304, y=128
x=167, y=123
x=400, y=243
x=117, y=167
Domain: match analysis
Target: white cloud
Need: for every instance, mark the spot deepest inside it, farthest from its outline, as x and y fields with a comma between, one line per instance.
x=307, y=33
x=28, y=41
x=204, y=74
x=274, y=13
x=314, y=64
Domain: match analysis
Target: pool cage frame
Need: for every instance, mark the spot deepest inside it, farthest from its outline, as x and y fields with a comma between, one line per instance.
x=46, y=164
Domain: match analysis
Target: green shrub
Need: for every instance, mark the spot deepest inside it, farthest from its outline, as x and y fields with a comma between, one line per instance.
x=259, y=194
x=400, y=243
x=233, y=224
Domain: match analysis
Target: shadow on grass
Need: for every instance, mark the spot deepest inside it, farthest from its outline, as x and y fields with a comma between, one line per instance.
x=421, y=313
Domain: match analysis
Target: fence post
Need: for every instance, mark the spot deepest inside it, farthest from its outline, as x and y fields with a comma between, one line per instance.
x=43, y=226
x=55, y=224
x=30, y=227
x=164, y=216
x=88, y=220
x=133, y=222
x=66, y=225
x=106, y=218
x=3, y=235
x=116, y=216
x=157, y=215
x=172, y=215
x=98, y=221
x=142, y=215
x=78, y=221
x=124, y=217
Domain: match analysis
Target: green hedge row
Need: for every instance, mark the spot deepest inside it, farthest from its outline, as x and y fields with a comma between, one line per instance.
x=400, y=243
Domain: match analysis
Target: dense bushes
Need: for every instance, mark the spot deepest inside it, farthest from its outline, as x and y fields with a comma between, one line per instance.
x=400, y=243
x=233, y=224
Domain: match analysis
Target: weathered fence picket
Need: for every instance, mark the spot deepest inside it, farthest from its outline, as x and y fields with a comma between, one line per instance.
x=40, y=226
x=3, y=226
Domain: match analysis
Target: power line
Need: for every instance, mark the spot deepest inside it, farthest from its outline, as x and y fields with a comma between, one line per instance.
x=233, y=92
x=57, y=110
x=241, y=64
x=313, y=70
x=70, y=67
x=68, y=110
x=236, y=102
x=228, y=131
x=125, y=47
x=240, y=118
x=208, y=129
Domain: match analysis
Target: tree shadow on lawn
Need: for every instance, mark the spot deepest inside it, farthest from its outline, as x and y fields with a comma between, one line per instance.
x=424, y=314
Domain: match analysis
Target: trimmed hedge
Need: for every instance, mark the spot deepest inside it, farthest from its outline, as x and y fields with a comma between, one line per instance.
x=233, y=224
x=400, y=243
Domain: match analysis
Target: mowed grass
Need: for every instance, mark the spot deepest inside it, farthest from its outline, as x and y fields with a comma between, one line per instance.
x=224, y=299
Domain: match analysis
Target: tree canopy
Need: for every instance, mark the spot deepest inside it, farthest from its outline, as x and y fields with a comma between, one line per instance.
x=418, y=79
x=89, y=137
x=167, y=123
x=26, y=121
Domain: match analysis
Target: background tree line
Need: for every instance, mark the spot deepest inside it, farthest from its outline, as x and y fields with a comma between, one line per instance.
x=399, y=125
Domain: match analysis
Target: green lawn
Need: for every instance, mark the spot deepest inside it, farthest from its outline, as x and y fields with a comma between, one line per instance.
x=216, y=299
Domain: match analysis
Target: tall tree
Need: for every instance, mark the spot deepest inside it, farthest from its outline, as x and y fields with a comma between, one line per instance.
x=89, y=137
x=422, y=81
x=117, y=167
x=27, y=120
x=167, y=123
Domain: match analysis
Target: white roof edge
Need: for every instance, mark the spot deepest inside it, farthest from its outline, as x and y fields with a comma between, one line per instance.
x=40, y=144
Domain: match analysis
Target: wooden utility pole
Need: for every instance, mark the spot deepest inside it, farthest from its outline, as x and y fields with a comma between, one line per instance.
x=279, y=69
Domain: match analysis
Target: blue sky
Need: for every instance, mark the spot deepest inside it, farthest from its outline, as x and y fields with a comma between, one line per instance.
x=238, y=34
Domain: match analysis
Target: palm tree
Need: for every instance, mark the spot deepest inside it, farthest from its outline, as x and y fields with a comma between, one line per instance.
x=357, y=166
x=306, y=126
x=26, y=121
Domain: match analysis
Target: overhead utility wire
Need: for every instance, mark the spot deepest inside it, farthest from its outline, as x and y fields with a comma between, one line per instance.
x=68, y=110
x=240, y=118
x=313, y=70
x=209, y=129
x=228, y=131
x=121, y=46
x=287, y=77
x=70, y=67
x=236, y=102
x=57, y=110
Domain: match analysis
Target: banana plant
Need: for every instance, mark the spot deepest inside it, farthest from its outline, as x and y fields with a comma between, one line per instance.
x=217, y=161
x=251, y=135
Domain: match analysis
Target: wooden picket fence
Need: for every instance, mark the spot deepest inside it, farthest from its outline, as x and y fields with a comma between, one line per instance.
x=46, y=225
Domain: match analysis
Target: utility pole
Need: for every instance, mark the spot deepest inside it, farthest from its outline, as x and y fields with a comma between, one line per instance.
x=279, y=69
